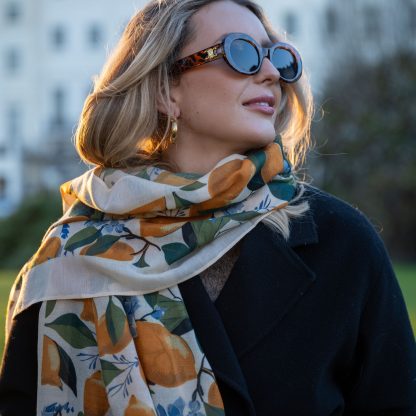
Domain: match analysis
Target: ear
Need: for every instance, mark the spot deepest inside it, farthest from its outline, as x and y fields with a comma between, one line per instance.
x=172, y=105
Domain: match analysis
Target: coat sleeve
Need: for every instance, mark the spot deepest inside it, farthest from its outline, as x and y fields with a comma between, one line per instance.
x=386, y=350
x=18, y=374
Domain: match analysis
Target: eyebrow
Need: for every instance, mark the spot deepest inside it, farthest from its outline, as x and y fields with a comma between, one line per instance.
x=263, y=43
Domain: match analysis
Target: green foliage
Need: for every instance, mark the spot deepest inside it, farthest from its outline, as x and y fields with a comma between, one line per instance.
x=366, y=143
x=22, y=232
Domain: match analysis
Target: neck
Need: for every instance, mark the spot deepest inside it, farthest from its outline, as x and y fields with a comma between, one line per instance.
x=198, y=155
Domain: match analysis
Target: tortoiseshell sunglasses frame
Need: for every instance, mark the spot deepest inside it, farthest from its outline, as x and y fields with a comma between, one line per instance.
x=222, y=50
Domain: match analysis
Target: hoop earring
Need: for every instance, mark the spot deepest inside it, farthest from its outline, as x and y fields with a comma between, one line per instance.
x=174, y=131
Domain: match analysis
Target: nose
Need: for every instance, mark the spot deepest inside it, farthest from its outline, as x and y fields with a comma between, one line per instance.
x=267, y=69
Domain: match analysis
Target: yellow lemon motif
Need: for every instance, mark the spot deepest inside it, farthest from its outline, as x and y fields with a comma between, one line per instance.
x=166, y=358
x=225, y=183
x=274, y=162
x=159, y=226
x=51, y=363
x=170, y=178
x=48, y=250
x=95, y=396
x=154, y=206
x=118, y=251
x=214, y=396
x=104, y=342
x=89, y=312
x=138, y=408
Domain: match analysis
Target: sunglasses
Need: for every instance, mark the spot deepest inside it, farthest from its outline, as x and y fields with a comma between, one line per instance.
x=243, y=54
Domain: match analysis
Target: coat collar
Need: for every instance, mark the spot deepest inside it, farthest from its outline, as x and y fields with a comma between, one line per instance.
x=303, y=230
x=256, y=296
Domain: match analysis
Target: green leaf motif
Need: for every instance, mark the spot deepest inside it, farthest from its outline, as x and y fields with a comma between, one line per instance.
x=184, y=326
x=175, y=317
x=115, y=318
x=109, y=371
x=181, y=202
x=188, y=235
x=142, y=174
x=151, y=298
x=102, y=244
x=282, y=190
x=193, y=186
x=73, y=331
x=244, y=216
x=205, y=231
x=141, y=263
x=175, y=251
x=213, y=411
x=259, y=159
x=82, y=238
x=50, y=304
x=80, y=210
x=67, y=370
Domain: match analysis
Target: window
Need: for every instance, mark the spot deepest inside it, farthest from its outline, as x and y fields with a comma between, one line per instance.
x=291, y=23
x=95, y=36
x=412, y=18
x=58, y=37
x=331, y=21
x=13, y=123
x=2, y=187
x=58, y=105
x=12, y=12
x=12, y=60
x=372, y=22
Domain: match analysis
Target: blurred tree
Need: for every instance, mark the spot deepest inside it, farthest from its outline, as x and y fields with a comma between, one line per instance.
x=22, y=232
x=365, y=145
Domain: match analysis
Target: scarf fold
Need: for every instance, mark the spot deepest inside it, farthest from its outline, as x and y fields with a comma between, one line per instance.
x=129, y=237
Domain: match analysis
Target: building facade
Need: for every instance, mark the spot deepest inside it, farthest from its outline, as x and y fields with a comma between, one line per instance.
x=50, y=50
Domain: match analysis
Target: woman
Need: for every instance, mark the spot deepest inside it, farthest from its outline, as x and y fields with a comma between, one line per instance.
x=173, y=284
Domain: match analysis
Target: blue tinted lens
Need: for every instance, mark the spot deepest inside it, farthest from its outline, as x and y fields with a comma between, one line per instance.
x=286, y=63
x=244, y=55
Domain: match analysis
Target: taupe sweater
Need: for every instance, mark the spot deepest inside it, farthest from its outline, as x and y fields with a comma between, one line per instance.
x=216, y=275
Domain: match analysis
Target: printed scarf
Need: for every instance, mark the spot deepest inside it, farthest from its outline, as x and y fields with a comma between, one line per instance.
x=114, y=333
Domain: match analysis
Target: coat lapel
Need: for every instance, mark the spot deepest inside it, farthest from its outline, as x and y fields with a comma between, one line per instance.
x=256, y=296
x=214, y=340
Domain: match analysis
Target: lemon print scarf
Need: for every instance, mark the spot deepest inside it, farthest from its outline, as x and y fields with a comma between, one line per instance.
x=114, y=334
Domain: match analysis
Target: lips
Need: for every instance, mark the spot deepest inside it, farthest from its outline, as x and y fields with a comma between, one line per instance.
x=269, y=99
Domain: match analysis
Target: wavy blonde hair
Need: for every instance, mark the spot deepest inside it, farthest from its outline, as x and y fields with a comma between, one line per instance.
x=120, y=126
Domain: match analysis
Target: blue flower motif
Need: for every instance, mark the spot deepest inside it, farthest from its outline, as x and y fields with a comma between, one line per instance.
x=130, y=304
x=194, y=407
x=158, y=312
x=161, y=411
x=264, y=204
x=114, y=225
x=55, y=409
x=109, y=225
x=234, y=208
x=65, y=231
x=177, y=408
x=286, y=167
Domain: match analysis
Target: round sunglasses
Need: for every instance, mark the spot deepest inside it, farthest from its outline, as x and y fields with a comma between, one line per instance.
x=243, y=54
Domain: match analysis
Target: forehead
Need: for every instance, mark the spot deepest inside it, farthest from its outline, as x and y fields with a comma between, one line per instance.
x=214, y=21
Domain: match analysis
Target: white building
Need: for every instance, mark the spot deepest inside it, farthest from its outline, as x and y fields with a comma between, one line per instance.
x=50, y=50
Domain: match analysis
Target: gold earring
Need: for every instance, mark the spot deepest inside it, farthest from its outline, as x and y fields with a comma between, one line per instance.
x=174, y=130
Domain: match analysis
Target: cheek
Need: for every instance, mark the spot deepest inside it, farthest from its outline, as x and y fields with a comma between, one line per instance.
x=210, y=97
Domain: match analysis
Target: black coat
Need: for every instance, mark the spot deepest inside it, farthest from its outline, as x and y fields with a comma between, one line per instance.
x=316, y=325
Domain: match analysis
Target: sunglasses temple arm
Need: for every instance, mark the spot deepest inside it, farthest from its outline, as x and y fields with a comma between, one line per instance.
x=200, y=58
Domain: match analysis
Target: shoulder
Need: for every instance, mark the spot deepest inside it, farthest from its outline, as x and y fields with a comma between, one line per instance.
x=344, y=238
x=336, y=219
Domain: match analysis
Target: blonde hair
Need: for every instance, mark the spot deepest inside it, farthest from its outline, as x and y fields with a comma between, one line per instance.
x=120, y=126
